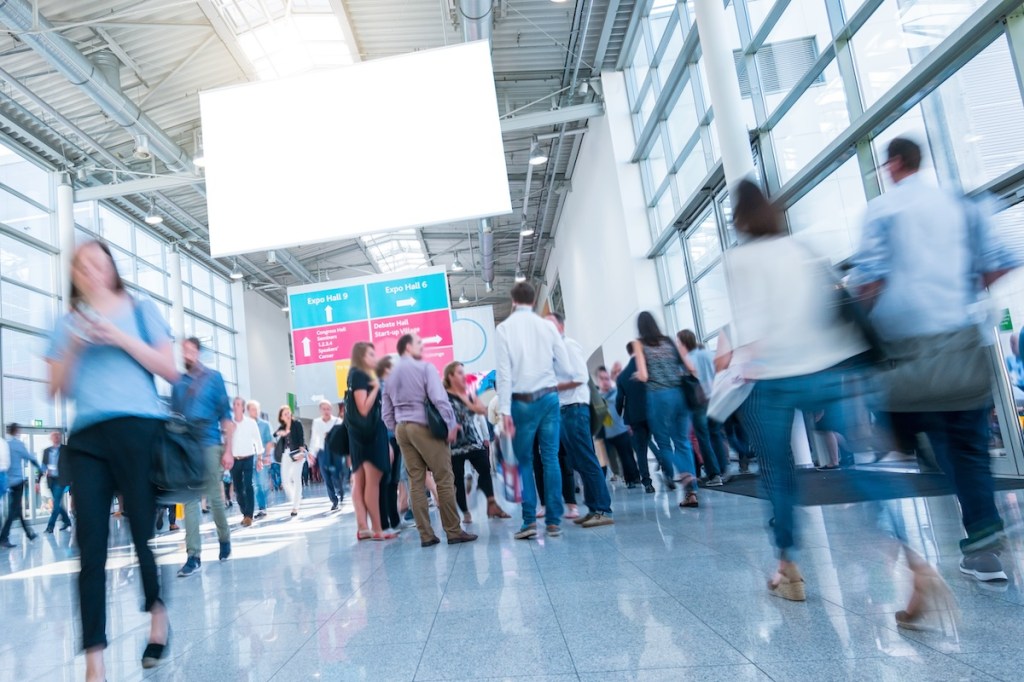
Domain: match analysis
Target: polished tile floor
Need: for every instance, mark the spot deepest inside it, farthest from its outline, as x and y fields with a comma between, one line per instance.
x=665, y=594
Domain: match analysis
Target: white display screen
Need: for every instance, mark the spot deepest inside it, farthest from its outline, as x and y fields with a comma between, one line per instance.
x=407, y=141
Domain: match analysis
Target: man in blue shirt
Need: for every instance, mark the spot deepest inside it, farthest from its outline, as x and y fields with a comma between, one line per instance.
x=201, y=397
x=923, y=256
x=16, y=485
x=264, y=460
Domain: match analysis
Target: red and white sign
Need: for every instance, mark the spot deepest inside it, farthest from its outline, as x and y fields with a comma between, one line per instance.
x=434, y=327
x=328, y=344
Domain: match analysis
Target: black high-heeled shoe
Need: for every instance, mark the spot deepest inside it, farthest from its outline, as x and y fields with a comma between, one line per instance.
x=153, y=653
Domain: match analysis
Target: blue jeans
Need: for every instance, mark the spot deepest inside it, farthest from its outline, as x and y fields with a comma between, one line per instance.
x=275, y=476
x=960, y=442
x=712, y=443
x=261, y=481
x=58, y=491
x=767, y=417
x=669, y=420
x=538, y=421
x=579, y=446
x=331, y=469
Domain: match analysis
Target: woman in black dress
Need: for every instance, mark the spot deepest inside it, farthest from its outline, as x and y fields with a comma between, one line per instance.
x=369, y=451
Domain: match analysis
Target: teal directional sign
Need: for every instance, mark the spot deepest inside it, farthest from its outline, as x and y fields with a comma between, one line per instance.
x=409, y=295
x=328, y=306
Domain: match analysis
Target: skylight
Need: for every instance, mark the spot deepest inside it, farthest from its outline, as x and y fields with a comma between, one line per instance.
x=396, y=251
x=287, y=38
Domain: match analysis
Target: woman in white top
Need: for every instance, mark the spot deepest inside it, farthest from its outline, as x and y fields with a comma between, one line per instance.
x=792, y=343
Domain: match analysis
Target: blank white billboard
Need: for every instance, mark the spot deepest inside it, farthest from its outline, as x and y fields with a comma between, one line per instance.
x=401, y=142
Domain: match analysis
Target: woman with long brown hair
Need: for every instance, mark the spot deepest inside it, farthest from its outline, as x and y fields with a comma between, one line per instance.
x=293, y=455
x=103, y=357
x=368, y=447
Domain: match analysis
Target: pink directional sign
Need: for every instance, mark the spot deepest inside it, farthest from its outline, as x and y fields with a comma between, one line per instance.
x=434, y=327
x=327, y=344
x=439, y=357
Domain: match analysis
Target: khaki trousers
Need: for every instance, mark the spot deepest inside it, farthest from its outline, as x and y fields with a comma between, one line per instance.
x=213, y=488
x=425, y=453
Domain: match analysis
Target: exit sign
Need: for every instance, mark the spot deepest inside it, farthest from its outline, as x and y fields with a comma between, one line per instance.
x=1006, y=322
x=37, y=423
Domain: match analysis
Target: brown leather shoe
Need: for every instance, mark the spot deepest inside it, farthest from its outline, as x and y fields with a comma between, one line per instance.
x=462, y=537
x=247, y=521
x=431, y=542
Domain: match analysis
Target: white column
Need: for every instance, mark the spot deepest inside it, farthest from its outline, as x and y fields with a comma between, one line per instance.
x=177, y=301
x=65, y=231
x=724, y=89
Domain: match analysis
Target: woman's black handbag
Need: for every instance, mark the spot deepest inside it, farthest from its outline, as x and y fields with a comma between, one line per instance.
x=435, y=422
x=279, y=448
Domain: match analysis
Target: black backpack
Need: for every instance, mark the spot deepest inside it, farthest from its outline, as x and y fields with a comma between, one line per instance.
x=336, y=441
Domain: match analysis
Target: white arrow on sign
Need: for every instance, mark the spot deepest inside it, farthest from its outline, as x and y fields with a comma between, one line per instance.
x=305, y=347
x=432, y=339
x=406, y=303
x=330, y=313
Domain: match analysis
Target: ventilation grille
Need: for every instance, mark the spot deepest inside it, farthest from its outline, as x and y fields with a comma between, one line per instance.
x=781, y=65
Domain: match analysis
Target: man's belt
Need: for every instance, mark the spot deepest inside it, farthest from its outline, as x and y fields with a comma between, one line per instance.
x=535, y=396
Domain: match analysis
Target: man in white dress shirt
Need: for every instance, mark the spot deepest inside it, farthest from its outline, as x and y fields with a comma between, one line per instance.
x=531, y=356
x=574, y=398
x=246, y=443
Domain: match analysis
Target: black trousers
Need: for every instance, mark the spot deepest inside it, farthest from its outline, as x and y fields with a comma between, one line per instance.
x=623, y=446
x=332, y=470
x=568, y=477
x=241, y=476
x=390, y=519
x=108, y=458
x=641, y=444
x=15, y=493
x=482, y=463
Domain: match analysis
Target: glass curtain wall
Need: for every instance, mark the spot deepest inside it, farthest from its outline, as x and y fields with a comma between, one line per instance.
x=143, y=261
x=825, y=84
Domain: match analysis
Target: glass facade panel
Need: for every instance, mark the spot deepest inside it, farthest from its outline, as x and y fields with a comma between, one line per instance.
x=85, y=215
x=817, y=118
x=25, y=177
x=151, y=279
x=682, y=122
x=829, y=218
x=23, y=355
x=25, y=306
x=28, y=218
x=149, y=248
x=674, y=267
x=26, y=401
x=656, y=162
x=703, y=244
x=899, y=35
x=26, y=264
x=713, y=300
x=683, y=309
x=691, y=173
x=115, y=229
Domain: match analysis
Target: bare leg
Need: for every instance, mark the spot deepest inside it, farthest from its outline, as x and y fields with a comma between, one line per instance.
x=358, y=483
x=95, y=667
x=371, y=495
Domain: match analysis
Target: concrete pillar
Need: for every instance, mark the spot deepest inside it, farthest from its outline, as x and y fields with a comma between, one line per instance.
x=724, y=89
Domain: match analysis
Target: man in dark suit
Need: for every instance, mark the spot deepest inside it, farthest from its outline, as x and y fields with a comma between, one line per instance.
x=57, y=480
x=631, y=403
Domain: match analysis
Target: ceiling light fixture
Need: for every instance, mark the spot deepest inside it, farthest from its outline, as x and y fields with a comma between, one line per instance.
x=285, y=308
x=520, y=277
x=462, y=298
x=457, y=266
x=525, y=230
x=236, y=272
x=488, y=287
x=152, y=217
x=537, y=157
x=141, y=151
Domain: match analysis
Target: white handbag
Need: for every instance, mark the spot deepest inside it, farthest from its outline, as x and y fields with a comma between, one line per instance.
x=728, y=392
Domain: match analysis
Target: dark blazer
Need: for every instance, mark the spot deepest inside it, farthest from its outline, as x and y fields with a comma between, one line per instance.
x=631, y=402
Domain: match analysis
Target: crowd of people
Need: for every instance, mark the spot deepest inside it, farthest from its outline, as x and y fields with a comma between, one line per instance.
x=403, y=437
